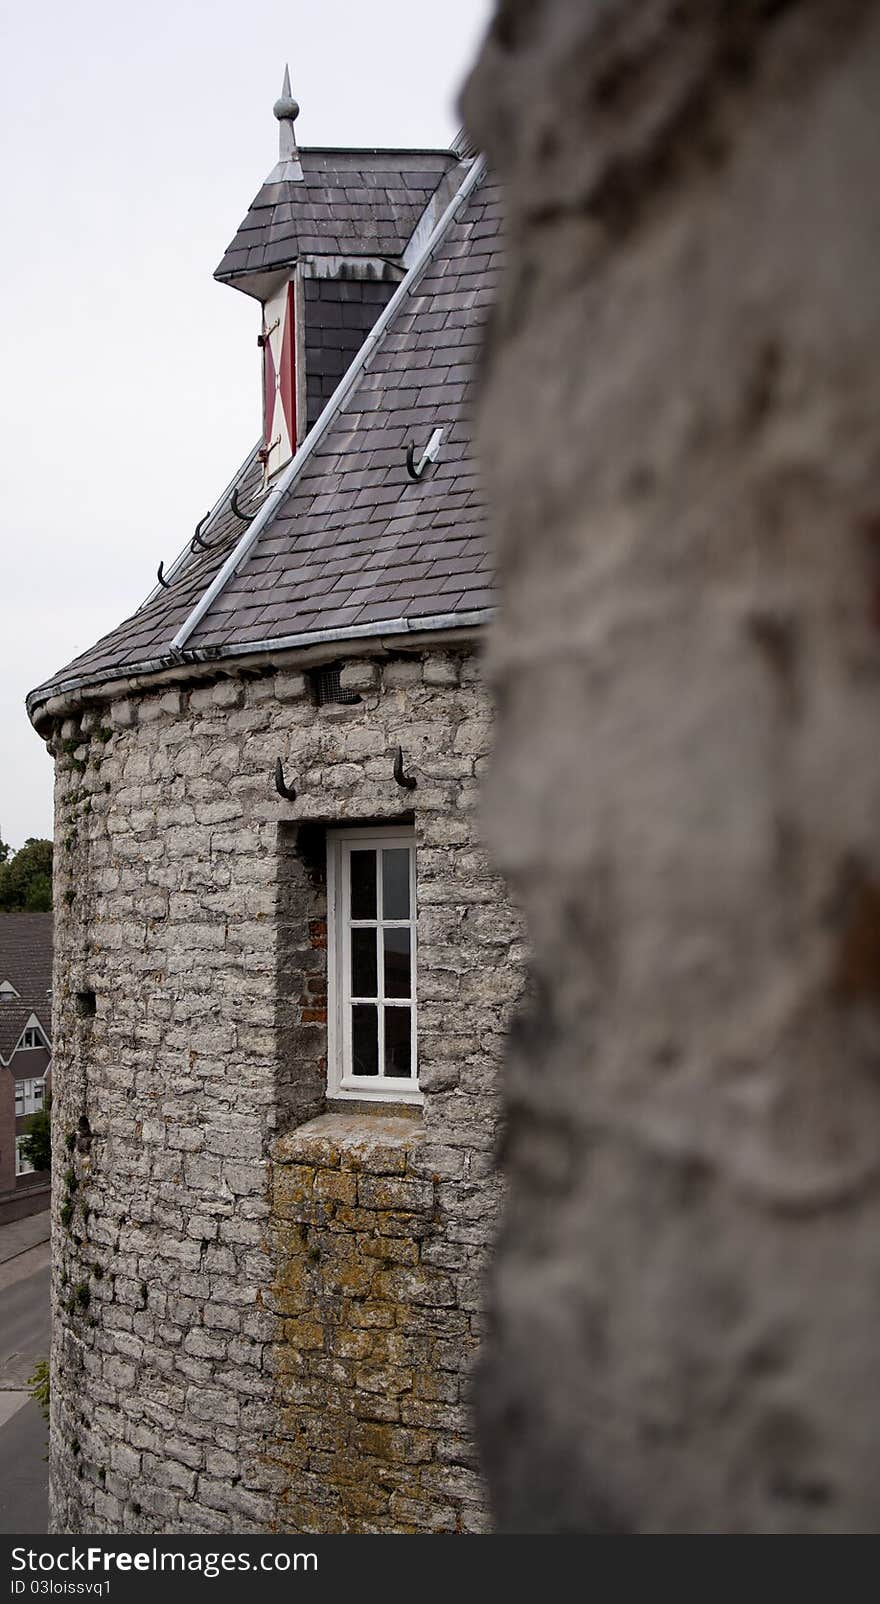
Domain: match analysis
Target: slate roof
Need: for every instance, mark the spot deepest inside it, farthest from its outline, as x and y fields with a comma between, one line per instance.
x=144, y=637
x=348, y=203
x=356, y=541
x=26, y=961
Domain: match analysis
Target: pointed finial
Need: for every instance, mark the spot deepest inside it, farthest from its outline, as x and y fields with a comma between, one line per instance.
x=286, y=109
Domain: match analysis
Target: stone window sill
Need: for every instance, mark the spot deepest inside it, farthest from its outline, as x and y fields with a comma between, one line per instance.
x=377, y=1140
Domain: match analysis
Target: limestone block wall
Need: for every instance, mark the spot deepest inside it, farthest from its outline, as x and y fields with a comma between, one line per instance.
x=377, y=1331
x=190, y=1035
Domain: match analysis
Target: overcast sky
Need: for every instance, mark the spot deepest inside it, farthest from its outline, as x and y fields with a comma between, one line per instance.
x=134, y=138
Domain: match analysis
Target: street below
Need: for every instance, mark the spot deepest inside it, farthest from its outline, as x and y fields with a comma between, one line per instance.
x=24, y=1339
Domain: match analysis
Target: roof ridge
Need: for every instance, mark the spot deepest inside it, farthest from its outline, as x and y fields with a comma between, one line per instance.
x=475, y=170
x=378, y=150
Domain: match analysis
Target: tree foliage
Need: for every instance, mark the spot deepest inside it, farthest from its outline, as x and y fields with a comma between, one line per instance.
x=26, y=877
x=36, y=1145
x=38, y=1387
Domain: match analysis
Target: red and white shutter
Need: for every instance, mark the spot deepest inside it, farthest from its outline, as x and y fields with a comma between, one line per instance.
x=279, y=378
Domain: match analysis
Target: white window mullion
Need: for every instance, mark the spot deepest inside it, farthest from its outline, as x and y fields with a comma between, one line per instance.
x=345, y=971
x=380, y=962
x=380, y=1020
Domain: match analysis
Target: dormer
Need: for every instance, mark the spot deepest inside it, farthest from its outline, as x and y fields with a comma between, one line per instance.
x=323, y=247
x=33, y=1038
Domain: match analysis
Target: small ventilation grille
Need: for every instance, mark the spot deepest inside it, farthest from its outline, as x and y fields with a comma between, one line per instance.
x=327, y=688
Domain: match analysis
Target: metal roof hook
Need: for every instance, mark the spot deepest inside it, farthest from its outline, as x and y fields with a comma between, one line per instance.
x=430, y=454
x=408, y=781
x=246, y=517
x=197, y=537
x=160, y=575
x=283, y=789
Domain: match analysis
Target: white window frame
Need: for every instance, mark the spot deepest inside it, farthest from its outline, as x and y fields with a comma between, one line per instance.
x=31, y=1100
x=23, y=1166
x=341, y=1082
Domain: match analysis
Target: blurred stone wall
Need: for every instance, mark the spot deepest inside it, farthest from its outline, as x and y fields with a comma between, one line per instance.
x=679, y=425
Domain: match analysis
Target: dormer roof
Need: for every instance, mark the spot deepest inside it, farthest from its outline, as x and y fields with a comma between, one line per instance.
x=348, y=203
x=329, y=203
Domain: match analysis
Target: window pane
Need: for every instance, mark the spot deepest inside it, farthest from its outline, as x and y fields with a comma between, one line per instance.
x=364, y=1039
x=398, y=1044
x=363, y=963
x=397, y=965
x=395, y=883
x=363, y=885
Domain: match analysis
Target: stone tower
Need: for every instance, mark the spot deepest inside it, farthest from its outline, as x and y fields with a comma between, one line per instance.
x=283, y=964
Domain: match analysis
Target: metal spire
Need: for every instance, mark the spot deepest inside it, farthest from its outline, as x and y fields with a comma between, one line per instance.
x=286, y=109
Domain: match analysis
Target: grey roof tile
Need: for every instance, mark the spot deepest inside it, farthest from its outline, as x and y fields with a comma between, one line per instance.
x=353, y=519
x=26, y=962
x=372, y=199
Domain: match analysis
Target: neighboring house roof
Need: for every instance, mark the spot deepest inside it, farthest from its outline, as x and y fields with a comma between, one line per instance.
x=31, y=1064
x=355, y=546
x=25, y=960
x=347, y=202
